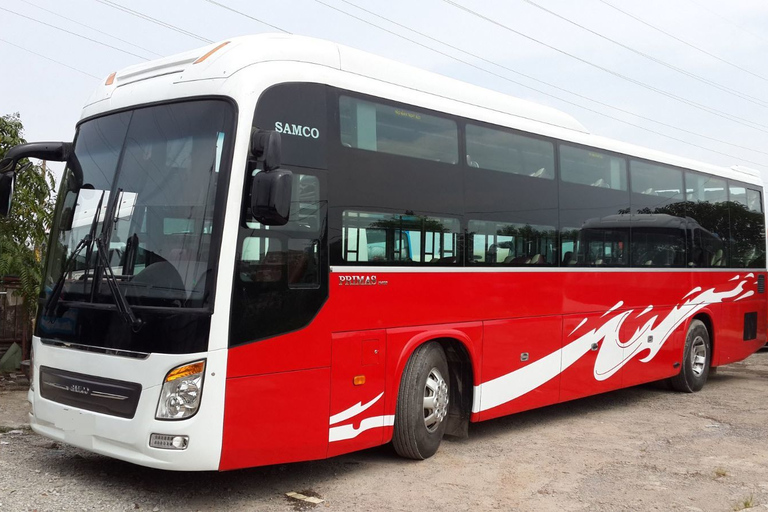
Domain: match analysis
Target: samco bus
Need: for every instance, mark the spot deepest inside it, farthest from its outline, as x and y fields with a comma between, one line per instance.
x=279, y=249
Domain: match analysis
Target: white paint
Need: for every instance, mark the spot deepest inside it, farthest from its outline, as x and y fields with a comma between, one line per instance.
x=344, y=432
x=354, y=410
x=613, y=355
x=583, y=321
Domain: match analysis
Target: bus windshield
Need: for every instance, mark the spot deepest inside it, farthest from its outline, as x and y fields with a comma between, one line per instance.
x=150, y=178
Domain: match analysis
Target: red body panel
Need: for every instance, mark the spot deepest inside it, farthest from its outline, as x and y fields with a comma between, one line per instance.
x=578, y=380
x=284, y=393
x=505, y=342
x=357, y=354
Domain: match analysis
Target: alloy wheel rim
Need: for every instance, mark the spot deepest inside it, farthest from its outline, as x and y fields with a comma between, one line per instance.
x=435, y=400
x=698, y=355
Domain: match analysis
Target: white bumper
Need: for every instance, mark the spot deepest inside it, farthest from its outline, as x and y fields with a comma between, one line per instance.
x=128, y=439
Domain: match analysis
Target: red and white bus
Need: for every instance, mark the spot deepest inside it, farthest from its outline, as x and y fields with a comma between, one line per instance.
x=286, y=249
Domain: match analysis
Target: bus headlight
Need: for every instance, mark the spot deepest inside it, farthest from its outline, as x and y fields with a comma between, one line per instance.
x=182, y=388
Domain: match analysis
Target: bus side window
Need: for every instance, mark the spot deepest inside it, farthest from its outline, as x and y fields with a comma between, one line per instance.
x=370, y=237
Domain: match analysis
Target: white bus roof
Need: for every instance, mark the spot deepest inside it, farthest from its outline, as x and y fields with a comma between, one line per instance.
x=380, y=77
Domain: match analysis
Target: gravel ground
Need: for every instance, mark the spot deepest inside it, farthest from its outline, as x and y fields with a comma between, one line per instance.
x=644, y=448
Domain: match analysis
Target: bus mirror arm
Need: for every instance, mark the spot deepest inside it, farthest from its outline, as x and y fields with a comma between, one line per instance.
x=271, y=188
x=266, y=145
x=53, y=151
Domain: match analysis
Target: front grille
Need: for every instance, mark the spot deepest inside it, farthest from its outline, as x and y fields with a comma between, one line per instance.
x=97, y=394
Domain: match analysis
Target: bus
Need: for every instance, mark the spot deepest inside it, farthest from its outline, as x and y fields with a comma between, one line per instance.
x=280, y=249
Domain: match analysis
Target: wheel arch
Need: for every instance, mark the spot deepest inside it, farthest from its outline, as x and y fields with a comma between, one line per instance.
x=463, y=369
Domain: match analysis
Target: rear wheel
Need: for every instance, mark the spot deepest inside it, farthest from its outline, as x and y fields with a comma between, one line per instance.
x=696, y=359
x=422, y=404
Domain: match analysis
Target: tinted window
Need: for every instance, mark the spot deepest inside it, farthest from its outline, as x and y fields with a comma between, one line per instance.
x=702, y=188
x=407, y=239
x=747, y=227
x=508, y=152
x=398, y=130
x=510, y=198
x=707, y=205
x=601, y=245
x=279, y=278
x=593, y=168
x=496, y=243
x=658, y=240
x=594, y=208
x=658, y=224
x=656, y=180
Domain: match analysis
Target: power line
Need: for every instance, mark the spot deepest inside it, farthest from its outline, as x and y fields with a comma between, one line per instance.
x=50, y=59
x=691, y=45
x=618, y=109
x=137, y=14
x=711, y=110
x=246, y=15
x=91, y=28
x=740, y=27
x=533, y=88
x=711, y=83
x=73, y=33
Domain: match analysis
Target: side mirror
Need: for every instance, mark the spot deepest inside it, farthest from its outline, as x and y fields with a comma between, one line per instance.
x=7, y=182
x=271, y=197
x=267, y=145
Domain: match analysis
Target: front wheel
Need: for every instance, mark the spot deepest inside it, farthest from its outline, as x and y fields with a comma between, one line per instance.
x=696, y=359
x=422, y=404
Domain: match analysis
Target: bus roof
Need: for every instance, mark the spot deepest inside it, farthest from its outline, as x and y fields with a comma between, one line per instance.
x=221, y=61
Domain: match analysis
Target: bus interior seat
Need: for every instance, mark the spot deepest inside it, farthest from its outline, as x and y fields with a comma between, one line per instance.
x=491, y=253
x=472, y=163
x=161, y=274
x=539, y=173
x=717, y=259
x=664, y=258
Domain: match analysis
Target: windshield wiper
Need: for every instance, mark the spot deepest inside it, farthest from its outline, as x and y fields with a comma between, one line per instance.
x=120, y=301
x=87, y=240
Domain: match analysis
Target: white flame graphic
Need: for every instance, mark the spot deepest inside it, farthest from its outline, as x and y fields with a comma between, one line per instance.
x=613, y=353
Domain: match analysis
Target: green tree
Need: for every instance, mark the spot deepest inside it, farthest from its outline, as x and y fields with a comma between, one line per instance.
x=23, y=233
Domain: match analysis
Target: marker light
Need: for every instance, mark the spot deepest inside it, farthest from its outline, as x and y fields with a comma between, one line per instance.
x=201, y=59
x=180, y=395
x=111, y=78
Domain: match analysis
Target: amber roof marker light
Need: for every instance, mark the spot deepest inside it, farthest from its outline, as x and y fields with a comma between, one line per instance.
x=201, y=59
x=111, y=78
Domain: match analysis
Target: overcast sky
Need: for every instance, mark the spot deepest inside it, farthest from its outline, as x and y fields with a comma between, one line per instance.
x=695, y=70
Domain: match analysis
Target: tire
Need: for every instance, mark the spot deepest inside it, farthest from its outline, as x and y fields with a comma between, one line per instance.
x=422, y=403
x=696, y=359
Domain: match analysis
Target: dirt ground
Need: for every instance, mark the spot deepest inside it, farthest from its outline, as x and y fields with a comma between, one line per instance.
x=643, y=448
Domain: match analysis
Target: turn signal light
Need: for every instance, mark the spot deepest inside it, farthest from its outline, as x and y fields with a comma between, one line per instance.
x=185, y=371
